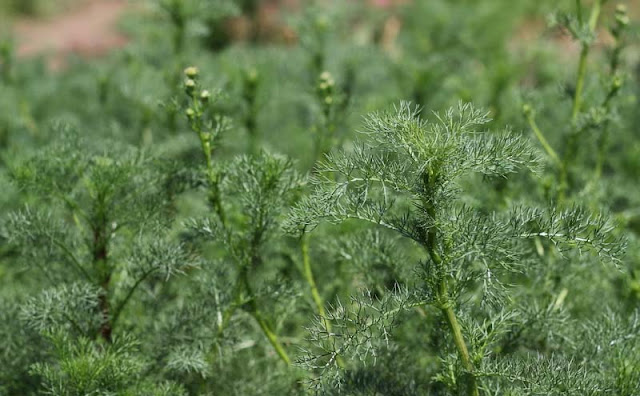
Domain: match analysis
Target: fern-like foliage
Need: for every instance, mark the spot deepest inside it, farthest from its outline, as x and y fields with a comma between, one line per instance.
x=405, y=178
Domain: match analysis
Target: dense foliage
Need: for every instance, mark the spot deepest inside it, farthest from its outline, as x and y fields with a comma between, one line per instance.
x=420, y=199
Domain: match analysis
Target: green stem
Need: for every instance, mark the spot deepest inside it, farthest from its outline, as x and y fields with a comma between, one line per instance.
x=603, y=141
x=579, y=11
x=228, y=313
x=123, y=303
x=582, y=65
x=308, y=274
x=540, y=136
x=213, y=176
x=458, y=339
x=255, y=312
x=317, y=299
x=443, y=293
x=271, y=336
x=74, y=260
x=582, y=68
x=603, y=144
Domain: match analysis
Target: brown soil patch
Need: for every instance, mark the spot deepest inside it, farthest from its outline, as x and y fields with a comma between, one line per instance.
x=89, y=30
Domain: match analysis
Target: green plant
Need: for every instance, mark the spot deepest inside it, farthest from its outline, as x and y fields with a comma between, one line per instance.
x=405, y=178
x=196, y=230
x=261, y=185
x=6, y=60
x=582, y=119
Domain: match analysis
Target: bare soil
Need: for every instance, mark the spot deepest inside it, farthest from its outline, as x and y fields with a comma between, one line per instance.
x=89, y=30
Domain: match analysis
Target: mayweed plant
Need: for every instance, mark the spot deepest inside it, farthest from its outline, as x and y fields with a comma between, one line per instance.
x=405, y=179
x=323, y=206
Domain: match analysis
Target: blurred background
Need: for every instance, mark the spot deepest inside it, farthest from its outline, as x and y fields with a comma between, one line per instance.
x=91, y=27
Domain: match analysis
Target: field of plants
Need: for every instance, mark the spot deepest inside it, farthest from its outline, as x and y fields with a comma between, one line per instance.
x=418, y=197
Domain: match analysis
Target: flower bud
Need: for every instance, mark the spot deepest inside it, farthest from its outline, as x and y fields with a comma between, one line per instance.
x=616, y=83
x=252, y=76
x=527, y=110
x=325, y=76
x=190, y=113
x=191, y=72
x=622, y=18
x=189, y=86
x=204, y=96
x=322, y=23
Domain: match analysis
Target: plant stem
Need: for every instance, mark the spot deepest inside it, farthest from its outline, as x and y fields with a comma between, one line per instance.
x=570, y=152
x=255, y=312
x=308, y=274
x=100, y=257
x=443, y=292
x=315, y=294
x=273, y=338
x=214, y=178
x=118, y=310
x=603, y=141
x=540, y=136
x=458, y=339
x=582, y=65
x=579, y=11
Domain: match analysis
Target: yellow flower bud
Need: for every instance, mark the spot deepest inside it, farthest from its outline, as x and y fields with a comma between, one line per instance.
x=191, y=72
x=189, y=86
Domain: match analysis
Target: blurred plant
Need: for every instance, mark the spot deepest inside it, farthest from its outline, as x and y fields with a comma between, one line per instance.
x=179, y=13
x=250, y=83
x=6, y=60
x=598, y=116
x=333, y=102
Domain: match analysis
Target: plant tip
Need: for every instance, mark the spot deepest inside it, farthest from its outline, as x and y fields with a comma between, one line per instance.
x=191, y=72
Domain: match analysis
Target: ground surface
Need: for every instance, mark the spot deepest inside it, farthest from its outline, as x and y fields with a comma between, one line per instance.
x=89, y=30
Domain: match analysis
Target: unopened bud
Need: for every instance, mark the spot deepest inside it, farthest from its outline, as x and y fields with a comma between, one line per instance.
x=252, y=76
x=616, y=83
x=189, y=86
x=205, y=95
x=622, y=18
x=190, y=113
x=191, y=72
x=328, y=100
x=322, y=23
x=527, y=109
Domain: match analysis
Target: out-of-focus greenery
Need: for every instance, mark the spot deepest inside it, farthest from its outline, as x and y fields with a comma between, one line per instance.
x=199, y=213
